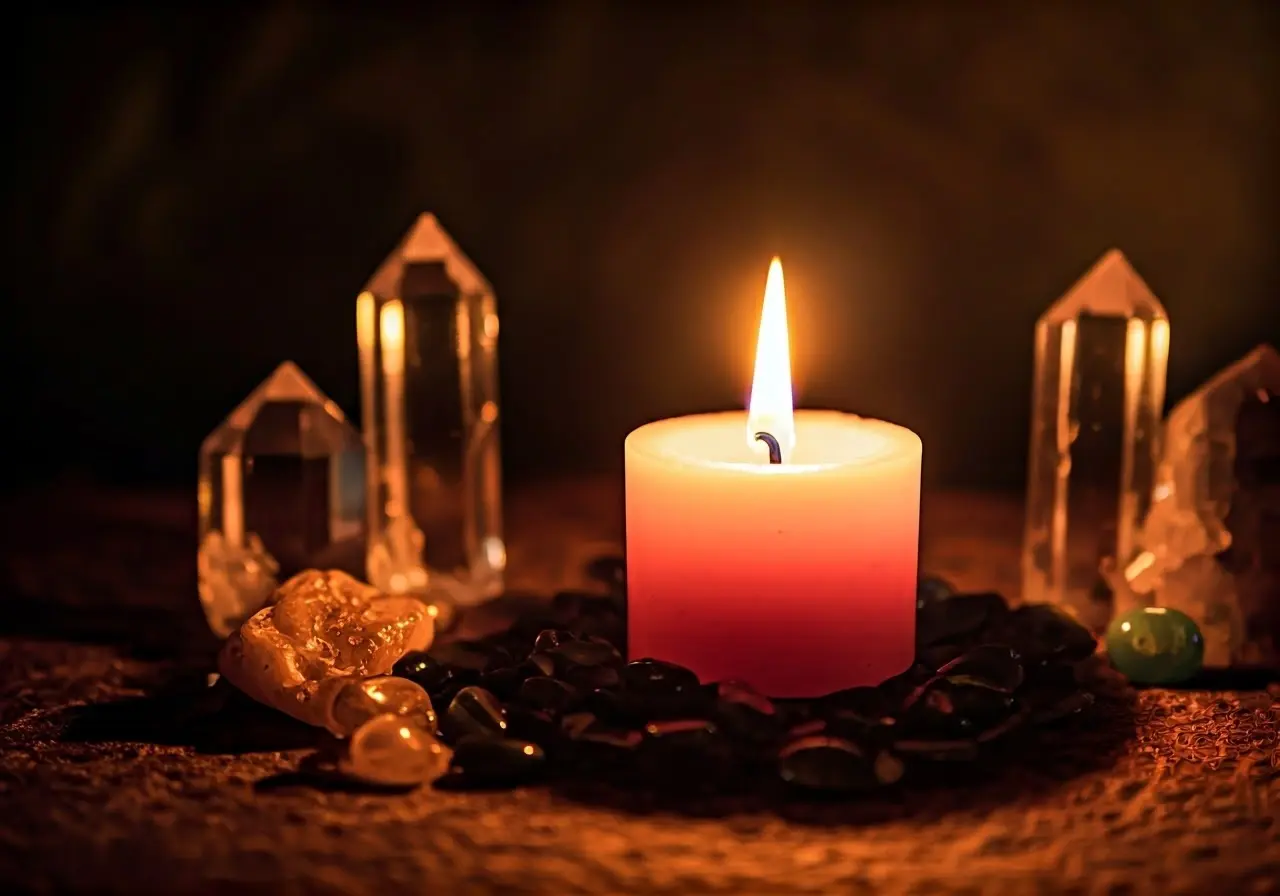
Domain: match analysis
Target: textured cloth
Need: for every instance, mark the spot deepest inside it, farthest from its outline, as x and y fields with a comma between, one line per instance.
x=105, y=789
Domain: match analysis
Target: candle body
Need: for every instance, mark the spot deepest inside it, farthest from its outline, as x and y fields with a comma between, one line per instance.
x=798, y=578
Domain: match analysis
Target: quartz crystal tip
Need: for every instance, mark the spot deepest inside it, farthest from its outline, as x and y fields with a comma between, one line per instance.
x=280, y=488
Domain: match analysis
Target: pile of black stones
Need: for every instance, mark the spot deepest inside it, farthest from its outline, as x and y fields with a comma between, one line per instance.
x=553, y=698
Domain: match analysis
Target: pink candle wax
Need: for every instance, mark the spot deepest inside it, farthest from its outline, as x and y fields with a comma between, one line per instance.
x=797, y=577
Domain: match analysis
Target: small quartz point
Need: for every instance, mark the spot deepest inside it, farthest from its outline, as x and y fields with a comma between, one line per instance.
x=1100, y=361
x=1210, y=546
x=318, y=632
x=280, y=489
x=394, y=751
x=427, y=331
x=356, y=702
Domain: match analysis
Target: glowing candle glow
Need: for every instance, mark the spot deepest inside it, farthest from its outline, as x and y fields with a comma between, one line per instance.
x=793, y=569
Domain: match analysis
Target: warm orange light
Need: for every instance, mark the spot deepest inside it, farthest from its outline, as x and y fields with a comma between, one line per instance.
x=391, y=325
x=771, y=408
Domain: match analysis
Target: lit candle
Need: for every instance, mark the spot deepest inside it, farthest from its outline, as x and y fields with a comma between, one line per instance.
x=772, y=546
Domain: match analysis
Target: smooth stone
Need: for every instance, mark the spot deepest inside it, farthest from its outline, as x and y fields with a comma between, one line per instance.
x=651, y=676
x=827, y=764
x=533, y=725
x=1155, y=645
x=393, y=751
x=539, y=663
x=487, y=762
x=1044, y=632
x=931, y=589
x=548, y=694
x=591, y=678
x=992, y=666
x=474, y=711
x=503, y=683
x=943, y=709
x=462, y=655
x=630, y=708
x=584, y=653
x=422, y=668
x=745, y=714
x=957, y=617
x=356, y=702
x=551, y=638
x=500, y=658
x=888, y=768
x=575, y=723
x=681, y=732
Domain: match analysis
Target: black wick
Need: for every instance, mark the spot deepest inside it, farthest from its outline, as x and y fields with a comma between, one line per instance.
x=775, y=450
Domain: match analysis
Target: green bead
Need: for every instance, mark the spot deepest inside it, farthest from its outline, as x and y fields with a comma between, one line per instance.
x=1155, y=645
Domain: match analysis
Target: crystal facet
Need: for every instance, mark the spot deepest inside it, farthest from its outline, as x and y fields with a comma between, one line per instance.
x=1101, y=354
x=320, y=631
x=1210, y=546
x=427, y=328
x=1155, y=645
x=280, y=489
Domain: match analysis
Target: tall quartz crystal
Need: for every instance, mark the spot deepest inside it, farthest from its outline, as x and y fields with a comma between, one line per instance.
x=1101, y=355
x=279, y=489
x=427, y=328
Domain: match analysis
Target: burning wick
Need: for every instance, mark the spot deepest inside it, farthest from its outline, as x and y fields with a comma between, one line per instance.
x=775, y=450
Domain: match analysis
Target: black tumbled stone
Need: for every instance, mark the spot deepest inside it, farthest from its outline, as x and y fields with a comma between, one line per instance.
x=825, y=764
x=489, y=762
x=993, y=666
x=548, y=694
x=474, y=711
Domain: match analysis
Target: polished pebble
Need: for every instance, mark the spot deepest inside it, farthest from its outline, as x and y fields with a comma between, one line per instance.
x=474, y=711
x=994, y=666
x=356, y=702
x=651, y=676
x=548, y=694
x=828, y=764
x=487, y=762
x=1155, y=645
x=393, y=751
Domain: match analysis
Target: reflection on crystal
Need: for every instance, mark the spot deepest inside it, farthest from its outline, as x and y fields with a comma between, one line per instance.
x=1210, y=545
x=280, y=489
x=427, y=328
x=1101, y=354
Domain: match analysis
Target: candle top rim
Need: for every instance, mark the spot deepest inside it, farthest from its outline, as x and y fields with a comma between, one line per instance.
x=864, y=442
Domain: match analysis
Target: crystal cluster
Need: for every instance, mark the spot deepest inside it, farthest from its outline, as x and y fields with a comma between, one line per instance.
x=427, y=329
x=1101, y=354
x=320, y=633
x=1210, y=546
x=280, y=489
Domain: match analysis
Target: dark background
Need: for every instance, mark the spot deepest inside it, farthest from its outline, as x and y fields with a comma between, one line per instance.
x=193, y=197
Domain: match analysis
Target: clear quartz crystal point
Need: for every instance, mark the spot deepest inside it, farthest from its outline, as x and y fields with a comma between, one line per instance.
x=1100, y=361
x=280, y=489
x=1210, y=545
x=427, y=328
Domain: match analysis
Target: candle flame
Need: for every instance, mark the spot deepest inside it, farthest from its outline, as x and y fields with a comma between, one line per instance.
x=771, y=408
